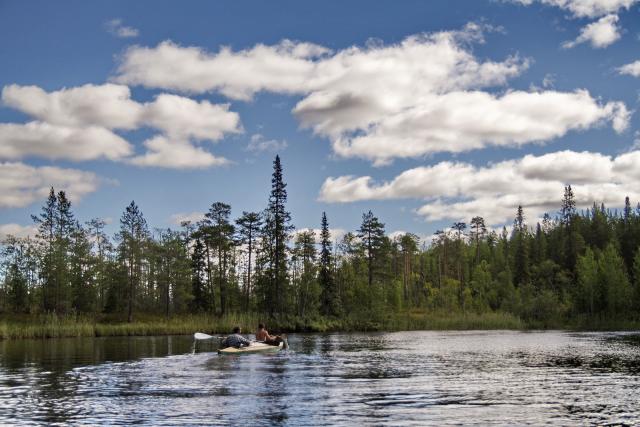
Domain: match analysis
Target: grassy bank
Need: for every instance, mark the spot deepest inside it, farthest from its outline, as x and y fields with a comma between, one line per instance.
x=58, y=327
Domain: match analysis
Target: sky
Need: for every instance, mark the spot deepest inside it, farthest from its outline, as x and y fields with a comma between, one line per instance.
x=426, y=113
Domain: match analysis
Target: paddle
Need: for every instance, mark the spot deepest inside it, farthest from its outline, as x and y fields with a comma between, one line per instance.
x=201, y=336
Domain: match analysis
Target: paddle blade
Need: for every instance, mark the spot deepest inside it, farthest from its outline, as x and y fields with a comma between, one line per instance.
x=201, y=336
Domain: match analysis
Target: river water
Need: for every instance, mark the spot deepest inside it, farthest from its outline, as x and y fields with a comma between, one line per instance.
x=404, y=378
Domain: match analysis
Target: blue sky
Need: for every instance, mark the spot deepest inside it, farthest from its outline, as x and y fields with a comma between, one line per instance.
x=537, y=98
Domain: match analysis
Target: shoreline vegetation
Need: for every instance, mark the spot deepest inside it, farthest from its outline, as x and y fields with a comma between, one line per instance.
x=579, y=270
x=52, y=326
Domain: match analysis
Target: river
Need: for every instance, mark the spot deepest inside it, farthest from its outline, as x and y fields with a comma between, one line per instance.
x=403, y=378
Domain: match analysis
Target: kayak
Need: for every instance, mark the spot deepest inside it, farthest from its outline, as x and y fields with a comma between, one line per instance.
x=255, y=347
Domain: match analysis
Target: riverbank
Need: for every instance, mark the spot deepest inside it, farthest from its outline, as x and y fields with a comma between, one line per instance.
x=51, y=326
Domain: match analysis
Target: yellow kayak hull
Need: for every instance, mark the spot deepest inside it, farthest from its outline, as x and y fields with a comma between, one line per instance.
x=255, y=347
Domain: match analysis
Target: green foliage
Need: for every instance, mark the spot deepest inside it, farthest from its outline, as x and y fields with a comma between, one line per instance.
x=577, y=270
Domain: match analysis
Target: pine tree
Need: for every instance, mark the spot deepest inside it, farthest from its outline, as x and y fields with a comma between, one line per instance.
x=617, y=291
x=329, y=297
x=371, y=233
x=95, y=229
x=307, y=288
x=479, y=230
x=277, y=228
x=249, y=226
x=82, y=271
x=588, y=288
x=521, y=271
x=636, y=282
x=408, y=247
x=16, y=286
x=133, y=236
x=46, y=222
x=198, y=266
x=221, y=232
x=568, y=208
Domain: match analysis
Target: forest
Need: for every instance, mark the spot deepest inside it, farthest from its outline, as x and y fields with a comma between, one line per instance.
x=576, y=268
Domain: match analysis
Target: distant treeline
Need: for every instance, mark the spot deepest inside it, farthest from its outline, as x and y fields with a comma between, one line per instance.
x=575, y=266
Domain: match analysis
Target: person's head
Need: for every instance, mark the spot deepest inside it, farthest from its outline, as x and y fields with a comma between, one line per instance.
x=237, y=330
x=260, y=326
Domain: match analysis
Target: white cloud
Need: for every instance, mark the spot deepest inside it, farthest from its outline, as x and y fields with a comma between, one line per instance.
x=259, y=143
x=77, y=124
x=284, y=67
x=421, y=96
x=60, y=142
x=548, y=81
x=459, y=191
x=585, y=8
x=109, y=106
x=17, y=230
x=192, y=217
x=183, y=118
x=175, y=154
x=632, y=69
x=599, y=34
x=115, y=27
x=21, y=185
x=336, y=233
x=464, y=121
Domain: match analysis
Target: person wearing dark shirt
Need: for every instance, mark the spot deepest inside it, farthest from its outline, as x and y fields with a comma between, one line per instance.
x=235, y=340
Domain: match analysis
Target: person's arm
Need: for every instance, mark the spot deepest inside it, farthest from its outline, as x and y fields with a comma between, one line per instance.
x=245, y=341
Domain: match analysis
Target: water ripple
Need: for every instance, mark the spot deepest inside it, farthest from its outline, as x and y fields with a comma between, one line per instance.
x=413, y=378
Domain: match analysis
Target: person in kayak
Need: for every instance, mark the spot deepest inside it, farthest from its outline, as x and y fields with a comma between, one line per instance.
x=263, y=335
x=235, y=339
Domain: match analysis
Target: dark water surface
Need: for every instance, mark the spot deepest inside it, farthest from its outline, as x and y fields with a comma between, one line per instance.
x=405, y=378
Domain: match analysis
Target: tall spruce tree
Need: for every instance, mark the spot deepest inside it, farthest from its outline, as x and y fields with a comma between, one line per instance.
x=329, y=297
x=46, y=223
x=277, y=228
x=521, y=251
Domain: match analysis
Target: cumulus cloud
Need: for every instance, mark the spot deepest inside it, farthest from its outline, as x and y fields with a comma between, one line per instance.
x=259, y=143
x=21, y=185
x=17, y=230
x=463, y=121
x=599, y=34
x=632, y=69
x=181, y=217
x=116, y=28
x=109, y=106
x=585, y=8
x=175, y=154
x=183, y=118
x=423, y=95
x=285, y=67
x=336, y=233
x=459, y=191
x=60, y=142
x=78, y=123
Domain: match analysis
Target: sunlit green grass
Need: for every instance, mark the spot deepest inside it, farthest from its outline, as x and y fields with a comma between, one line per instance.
x=51, y=326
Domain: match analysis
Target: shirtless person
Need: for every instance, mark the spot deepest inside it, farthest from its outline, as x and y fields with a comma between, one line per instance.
x=263, y=335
